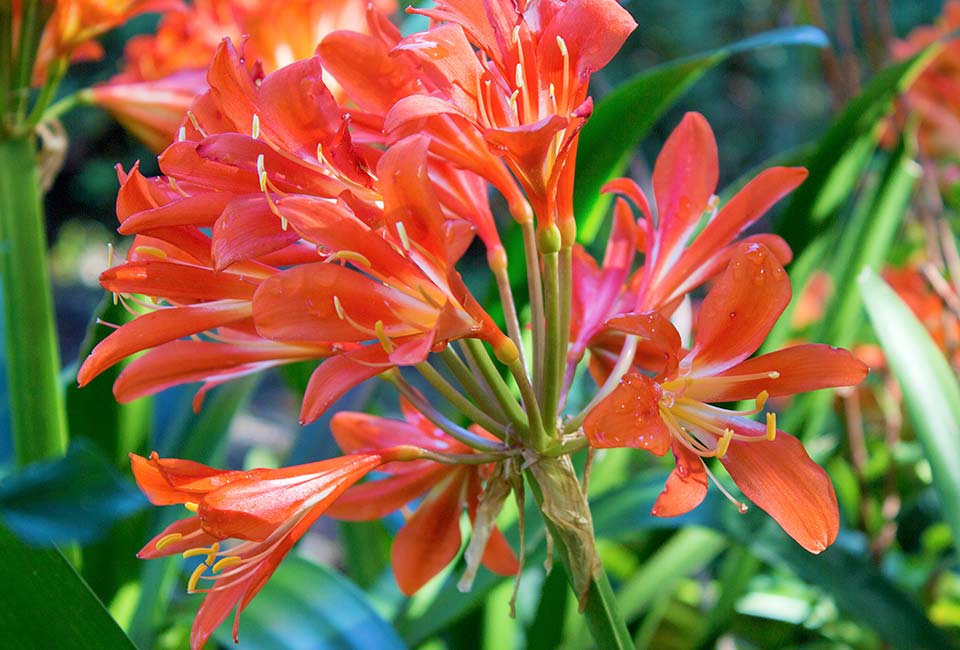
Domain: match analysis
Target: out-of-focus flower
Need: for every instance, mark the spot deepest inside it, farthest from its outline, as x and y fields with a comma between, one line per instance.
x=934, y=97
x=264, y=510
x=673, y=410
x=430, y=539
x=73, y=24
x=318, y=245
x=165, y=71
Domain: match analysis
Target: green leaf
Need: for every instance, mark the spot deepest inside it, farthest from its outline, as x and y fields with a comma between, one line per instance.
x=308, y=606
x=843, y=571
x=634, y=107
x=843, y=153
x=930, y=389
x=74, y=498
x=45, y=604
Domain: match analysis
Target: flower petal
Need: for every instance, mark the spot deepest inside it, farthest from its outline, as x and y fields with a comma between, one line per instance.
x=335, y=376
x=629, y=417
x=799, y=369
x=779, y=477
x=739, y=310
x=657, y=336
x=686, y=486
x=430, y=539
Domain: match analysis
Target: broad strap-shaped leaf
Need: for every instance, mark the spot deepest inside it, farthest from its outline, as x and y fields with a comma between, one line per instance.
x=46, y=604
x=635, y=106
x=930, y=389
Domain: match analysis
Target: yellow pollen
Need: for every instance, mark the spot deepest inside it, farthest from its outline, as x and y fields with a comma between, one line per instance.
x=402, y=232
x=562, y=44
x=351, y=256
x=195, y=577
x=196, y=125
x=762, y=400
x=255, y=127
x=167, y=540
x=181, y=134
x=229, y=561
x=724, y=443
x=152, y=251
x=773, y=374
x=339, y=308
x=262, y=173
x=385, y=342
x=191, y=506
x=210, y=552
x=771, y=426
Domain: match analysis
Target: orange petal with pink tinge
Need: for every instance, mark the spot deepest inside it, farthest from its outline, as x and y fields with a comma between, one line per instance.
x=629, y=417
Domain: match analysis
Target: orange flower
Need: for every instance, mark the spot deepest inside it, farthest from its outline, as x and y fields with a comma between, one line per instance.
x=305, y=226
x=167, y=70
x=430, y=539
x=74, y=24
x=673, y=410
x=934, y=97
x=523, y=96
x=678, y=256
x=265, y=510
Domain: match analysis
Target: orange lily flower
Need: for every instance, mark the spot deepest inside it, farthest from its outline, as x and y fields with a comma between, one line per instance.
x=677, y=258
x=430, y=539
x=525, y=94
x=300, y=237
x=264, y=510
x=673, y=410
x=73, y=24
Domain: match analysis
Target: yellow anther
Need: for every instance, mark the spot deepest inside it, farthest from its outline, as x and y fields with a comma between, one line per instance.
x=191, y=506
x=385, y=342
x=402, y=232
x=167, y=540
x=229, y=561
x=518, y=74
x=771, y=426
x=762, y=400
x=109, y=255
x=339, y=308
x=513, y=99
x=195, y=577
x=262, y=173
x=773, y=374
x=152, y=251
x=352, y=256
x=562, y=44
x=515, y=36
x=196, y=125
x=181, y=134
x=210, y=552
x=724, y=443
x=255, y=127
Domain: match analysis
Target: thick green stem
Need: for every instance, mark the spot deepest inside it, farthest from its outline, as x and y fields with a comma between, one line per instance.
x=6, y=63
x=33, y=359
x=555, y=348
x=567, y=516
